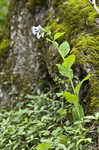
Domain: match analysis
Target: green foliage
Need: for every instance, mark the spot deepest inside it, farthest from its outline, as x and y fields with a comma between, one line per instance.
x=78, y=86
x=64, y=133
x=68, y=61
x=23, y=126
x=73, y=17
x=73, y=99
x=65, y=69
x=37, y=119
x=64, y=49
x=64, y=72
x=43, y=146
x=58, y=35
x=77, y=112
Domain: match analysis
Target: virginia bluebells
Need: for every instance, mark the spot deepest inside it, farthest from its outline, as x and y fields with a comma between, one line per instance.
x=37, y=31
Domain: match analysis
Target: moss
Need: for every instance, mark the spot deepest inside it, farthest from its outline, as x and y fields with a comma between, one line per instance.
x=87, y=50
x=4, y=37
x=72, y=16
x=77, y=19
x=32, y=4
x=4, y=46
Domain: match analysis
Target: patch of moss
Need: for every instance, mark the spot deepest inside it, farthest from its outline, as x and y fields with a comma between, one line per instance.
x=77, y=19
x=87, y=50
x=31, y=4
x=4, y=37
x=72, y=16
x=4, y=46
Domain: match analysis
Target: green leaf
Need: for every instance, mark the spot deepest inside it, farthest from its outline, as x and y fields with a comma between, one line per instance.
x=63, y=139
x=65, y=72
x=43, y=146
x=77, y=88
x=71, y=98
x=55, y=44
x=58, y=35
x=69, y=61
x=63, y=113
x=57, y=131
x=64, y=49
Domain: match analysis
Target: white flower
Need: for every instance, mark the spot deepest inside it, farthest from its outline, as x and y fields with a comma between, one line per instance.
x=37, y=31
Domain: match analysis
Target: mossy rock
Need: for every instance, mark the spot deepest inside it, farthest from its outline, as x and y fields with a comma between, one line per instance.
x=77, y=19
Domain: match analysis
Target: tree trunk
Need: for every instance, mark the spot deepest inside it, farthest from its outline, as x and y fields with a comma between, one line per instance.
x=24, y=68
x=31, y=61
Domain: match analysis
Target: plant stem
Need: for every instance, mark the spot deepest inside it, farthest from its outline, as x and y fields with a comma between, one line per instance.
x=72, y=86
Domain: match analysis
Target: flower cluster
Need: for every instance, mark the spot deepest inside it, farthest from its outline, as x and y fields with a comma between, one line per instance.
x=37, y=31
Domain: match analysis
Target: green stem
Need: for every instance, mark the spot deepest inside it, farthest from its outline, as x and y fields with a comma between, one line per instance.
x=72, y=86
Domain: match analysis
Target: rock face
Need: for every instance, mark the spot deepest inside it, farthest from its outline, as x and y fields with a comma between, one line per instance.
x=31, y=61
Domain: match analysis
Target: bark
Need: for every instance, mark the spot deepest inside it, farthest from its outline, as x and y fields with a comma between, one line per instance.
x=24, y=66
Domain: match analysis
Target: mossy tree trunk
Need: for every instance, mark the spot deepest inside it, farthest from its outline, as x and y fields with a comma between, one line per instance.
x=30, y=61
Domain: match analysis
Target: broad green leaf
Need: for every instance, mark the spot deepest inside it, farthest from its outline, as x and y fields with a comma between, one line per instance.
x=43, y=146
x=63, y=139
x=77, y=88
x=58, y=35
x=69, y=61
x=55, y=44
x=71, y=98
x=65, y=72
x=64, y=49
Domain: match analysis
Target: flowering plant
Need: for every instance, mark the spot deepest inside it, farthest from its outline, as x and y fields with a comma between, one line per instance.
x=65, y=69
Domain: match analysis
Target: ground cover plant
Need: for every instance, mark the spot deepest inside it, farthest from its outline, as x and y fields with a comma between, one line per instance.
x=43, y=119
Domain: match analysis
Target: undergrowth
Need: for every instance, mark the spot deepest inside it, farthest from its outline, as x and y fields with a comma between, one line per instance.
x=45, y=119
